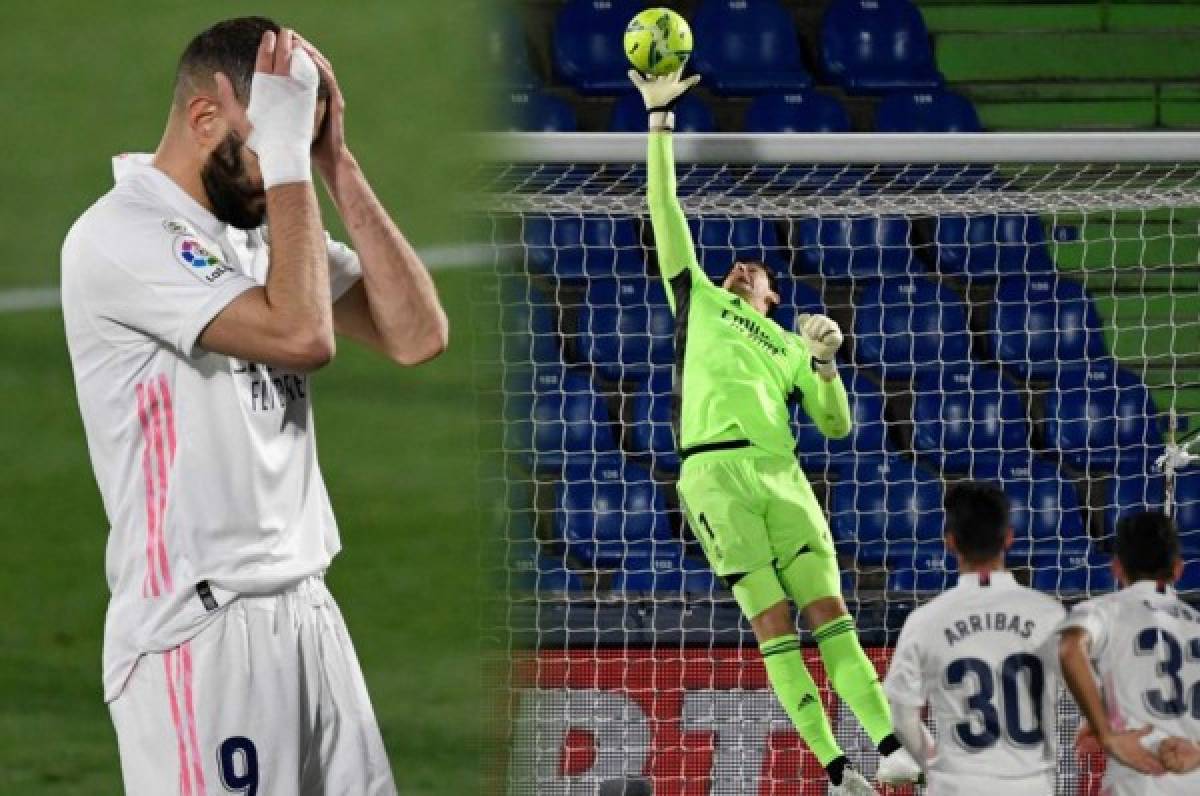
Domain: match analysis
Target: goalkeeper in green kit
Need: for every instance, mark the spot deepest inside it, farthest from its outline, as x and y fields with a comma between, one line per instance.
x=745, y=497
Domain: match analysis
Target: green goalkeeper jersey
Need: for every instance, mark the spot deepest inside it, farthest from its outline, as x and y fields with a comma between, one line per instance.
x=735, y=369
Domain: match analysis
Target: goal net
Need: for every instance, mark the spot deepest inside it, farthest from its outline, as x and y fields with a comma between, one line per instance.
x=1020, y=309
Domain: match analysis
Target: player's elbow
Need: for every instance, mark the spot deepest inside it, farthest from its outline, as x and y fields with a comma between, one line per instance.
x=1073, y=642
x=310, y=352
x=837, y=429
x=428, y=345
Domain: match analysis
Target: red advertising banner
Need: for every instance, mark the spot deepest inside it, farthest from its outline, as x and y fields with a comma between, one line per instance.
x=687, y=722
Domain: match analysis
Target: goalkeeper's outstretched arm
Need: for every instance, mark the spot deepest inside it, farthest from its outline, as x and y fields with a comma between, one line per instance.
x=672, y=238
x=824, y=395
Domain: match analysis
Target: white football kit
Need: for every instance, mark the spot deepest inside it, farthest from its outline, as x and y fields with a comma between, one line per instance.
x=225, y=660
x=982, y=656
x=1145, y=649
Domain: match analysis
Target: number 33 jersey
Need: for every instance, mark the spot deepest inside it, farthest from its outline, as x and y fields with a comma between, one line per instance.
x=1145, y=648
x=982, y=656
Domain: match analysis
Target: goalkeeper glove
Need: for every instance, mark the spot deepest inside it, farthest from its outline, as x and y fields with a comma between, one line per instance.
x=823, y=338
x=660, y=95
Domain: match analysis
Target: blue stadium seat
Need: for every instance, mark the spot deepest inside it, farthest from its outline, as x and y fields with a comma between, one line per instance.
x=1083, y=573
x=600, y=521
x=1132, y=493
x=926, y=112
x=795, y=298
x=858, y=247
x=929, y=580
x=650, y=433
x=990, y=246
x=567, y=417
x=1046, y=514
x=903, y=324
x=1102, y=419
x=868, y=435
x=1187, y=506
x=887, y=500
x=747, y=47
x=661, y=568
x=1190, y=581
x=537, y=112
x=692, y=115
x=802, y=112
x=923, y=557
x=575, y=247
x=537, y=571
x=625, y=327
x=874, y=46
x=962, y=412
x=722, y=241
x=1042, y=324
x=508, y=52
x=529, y=327
x=589, y=53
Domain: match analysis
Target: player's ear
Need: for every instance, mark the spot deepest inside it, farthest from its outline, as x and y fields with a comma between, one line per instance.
x=1177, y=570
x=950, y=546
x=203, y=116
x=1119, y=572
x=1008, y=538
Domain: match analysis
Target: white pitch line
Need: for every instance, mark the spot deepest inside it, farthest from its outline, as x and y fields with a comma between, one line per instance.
x=437, y=258
x=28, y=298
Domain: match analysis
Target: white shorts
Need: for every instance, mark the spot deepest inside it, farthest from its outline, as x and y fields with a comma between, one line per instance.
x=267, y=700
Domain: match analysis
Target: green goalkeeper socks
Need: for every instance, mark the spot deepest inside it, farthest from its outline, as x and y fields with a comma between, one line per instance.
x=796, y=691
x=854, y=677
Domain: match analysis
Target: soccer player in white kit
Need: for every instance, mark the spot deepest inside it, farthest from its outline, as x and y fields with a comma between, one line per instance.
x=982, y=655
x=193, y=328
x=1132, y=661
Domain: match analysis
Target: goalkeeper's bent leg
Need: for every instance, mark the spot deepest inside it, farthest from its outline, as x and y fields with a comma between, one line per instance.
x=854, y=677
x=761, y=598
x=808, y=579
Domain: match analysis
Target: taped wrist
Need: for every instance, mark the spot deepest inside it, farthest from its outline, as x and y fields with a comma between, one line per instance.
x=662, y=121
x=281, y=112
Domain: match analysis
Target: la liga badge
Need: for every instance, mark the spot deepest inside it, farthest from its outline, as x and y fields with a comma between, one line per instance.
x=199, y=260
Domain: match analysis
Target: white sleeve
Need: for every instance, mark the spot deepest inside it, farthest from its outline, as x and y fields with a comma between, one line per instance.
x=344, y=267
x=1090, y=615
x=155, y=280
x=904, y=683
x=913, y=734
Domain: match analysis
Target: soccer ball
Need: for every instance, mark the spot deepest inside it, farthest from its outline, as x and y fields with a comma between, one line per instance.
x=658, y=41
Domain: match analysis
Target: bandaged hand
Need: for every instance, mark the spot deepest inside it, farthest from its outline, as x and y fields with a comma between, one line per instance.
x=281, y=111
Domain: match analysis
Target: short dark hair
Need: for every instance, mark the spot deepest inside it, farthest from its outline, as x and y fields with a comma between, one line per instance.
x=772, y=280
x=230, y=47
x=1147, y=546
x=977, y=517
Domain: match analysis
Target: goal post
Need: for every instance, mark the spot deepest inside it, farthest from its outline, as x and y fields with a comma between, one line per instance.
x=1020, y=308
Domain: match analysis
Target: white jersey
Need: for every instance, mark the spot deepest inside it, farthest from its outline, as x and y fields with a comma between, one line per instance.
x=982, y=655
x=1145, y=648
x=206, y=464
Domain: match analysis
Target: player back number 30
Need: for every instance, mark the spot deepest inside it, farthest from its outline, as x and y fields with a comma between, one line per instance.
x=987, y=721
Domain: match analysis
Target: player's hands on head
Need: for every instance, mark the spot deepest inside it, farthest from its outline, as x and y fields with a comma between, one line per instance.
x=277, y=123
x=1179, y=755
x=1126, y=748
x=661, y=93
x=330, y=147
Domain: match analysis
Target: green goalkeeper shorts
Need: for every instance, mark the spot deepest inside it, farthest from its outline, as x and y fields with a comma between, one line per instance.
x=755, y=511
